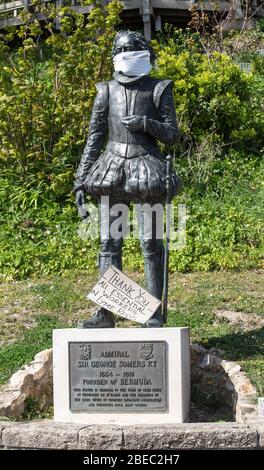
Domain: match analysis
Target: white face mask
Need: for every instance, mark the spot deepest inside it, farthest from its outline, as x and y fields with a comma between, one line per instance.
x=133, y=63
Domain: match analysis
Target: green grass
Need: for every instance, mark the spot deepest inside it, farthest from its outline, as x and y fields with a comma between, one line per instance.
x=224, y=228
x=47, y=303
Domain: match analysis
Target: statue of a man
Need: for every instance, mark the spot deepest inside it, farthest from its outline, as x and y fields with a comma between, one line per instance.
x=130, y=114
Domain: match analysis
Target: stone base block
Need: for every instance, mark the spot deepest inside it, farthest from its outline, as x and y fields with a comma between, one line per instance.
x=121, y=376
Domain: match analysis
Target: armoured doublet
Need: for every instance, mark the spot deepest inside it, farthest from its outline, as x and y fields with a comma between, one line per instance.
x=132, y=167
x=127, y=101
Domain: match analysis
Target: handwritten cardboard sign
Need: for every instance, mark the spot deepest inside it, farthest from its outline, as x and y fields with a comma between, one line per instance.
x=118, y=293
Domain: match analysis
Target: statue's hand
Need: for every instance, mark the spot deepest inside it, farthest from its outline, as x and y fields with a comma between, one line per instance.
x=80, y=202
x=134, y=123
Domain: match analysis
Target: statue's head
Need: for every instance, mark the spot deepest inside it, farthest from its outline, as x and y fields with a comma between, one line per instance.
x=126, y=41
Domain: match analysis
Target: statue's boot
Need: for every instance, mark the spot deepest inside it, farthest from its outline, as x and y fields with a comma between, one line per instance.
x=104, y=318
x=154, y=272
x=101, y=319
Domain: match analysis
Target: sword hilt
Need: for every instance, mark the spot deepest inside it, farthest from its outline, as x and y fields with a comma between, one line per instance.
x=169, y=158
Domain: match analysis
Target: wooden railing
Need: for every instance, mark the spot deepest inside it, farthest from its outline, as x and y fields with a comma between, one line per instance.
x=10, y=11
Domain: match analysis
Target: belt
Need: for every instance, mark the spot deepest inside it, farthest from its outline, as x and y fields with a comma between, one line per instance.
x=132, y=150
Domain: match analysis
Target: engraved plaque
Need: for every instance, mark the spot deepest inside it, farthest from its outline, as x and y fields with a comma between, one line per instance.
x=118, y=376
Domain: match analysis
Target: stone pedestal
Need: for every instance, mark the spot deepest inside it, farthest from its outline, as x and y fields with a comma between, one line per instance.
x=121, y=376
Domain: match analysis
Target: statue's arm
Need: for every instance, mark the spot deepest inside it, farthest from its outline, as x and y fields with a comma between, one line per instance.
x=96, y=136
x=166, y=130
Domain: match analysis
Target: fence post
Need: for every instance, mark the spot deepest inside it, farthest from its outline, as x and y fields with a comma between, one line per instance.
x=26, y=5
x=146, y=11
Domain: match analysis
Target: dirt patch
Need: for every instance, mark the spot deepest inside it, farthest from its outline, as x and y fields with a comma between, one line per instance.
x=245, y=321
x=207, y=414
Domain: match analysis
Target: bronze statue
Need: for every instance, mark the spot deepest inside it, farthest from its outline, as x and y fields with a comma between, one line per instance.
x=130, y=114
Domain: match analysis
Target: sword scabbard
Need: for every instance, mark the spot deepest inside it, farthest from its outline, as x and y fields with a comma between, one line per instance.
x=167, y=242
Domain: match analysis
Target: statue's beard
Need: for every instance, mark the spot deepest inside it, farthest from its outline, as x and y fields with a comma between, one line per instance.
x=126, y=80
x=133, y=63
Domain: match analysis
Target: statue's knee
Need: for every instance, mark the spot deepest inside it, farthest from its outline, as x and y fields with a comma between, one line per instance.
x=151, y=248
x=111, y=246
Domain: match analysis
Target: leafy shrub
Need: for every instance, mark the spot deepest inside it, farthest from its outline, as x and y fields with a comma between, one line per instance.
x=47, y=87
x=224, y=228
x=213, y=96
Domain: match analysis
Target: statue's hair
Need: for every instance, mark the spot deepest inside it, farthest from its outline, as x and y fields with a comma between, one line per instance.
x=139, y=39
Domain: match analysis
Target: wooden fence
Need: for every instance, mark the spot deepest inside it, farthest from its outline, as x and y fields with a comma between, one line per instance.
x=149, y=10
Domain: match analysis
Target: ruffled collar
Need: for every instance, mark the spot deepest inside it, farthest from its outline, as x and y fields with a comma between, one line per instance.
x=126, y=80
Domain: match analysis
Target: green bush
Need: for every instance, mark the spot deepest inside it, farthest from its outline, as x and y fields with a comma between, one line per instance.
x=47, y=87
x=224, y=228
x=213, y=96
